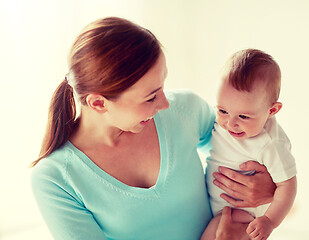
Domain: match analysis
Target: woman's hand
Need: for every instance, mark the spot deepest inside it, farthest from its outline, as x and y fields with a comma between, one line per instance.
x=229, y=230
x=251, y=191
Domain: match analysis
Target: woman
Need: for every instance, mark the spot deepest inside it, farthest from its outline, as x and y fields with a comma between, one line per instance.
x=124, y=169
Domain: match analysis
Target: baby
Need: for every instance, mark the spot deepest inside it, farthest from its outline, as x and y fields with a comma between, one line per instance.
x=246, y=129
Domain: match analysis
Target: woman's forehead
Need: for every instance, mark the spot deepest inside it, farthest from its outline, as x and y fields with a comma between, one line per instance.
x=151, y=82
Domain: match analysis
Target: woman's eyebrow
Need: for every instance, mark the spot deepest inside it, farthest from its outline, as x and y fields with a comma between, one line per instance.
x=153, y=92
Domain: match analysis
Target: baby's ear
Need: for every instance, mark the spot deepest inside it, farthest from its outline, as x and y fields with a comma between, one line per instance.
x=274, y=109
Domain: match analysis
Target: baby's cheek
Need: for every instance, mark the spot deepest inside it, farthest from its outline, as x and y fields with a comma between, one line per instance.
x=254, y=129
x=220, y=121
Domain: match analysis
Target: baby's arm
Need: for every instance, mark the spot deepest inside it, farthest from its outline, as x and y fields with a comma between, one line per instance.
x=284, y=196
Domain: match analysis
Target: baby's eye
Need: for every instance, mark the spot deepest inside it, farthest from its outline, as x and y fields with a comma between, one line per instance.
x=222, y=111
x=243, y=117
x=152, y=99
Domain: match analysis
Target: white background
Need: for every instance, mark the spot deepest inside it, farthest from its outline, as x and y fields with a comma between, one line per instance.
x=198, y=36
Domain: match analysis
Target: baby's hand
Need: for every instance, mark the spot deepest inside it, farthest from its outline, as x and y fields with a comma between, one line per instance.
x=260, y=228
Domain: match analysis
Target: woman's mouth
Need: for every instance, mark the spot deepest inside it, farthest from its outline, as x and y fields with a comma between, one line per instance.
x=234, y=134
x=146, y=121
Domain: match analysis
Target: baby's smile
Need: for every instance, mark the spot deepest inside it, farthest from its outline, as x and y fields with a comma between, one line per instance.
x=234, y=134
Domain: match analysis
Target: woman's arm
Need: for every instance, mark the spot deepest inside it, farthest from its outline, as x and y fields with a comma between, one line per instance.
x=253, y=190
x=230, y=230
x=65, y=216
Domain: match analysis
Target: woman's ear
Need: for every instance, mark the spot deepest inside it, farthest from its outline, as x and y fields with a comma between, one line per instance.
x=96, y=102
x=274, y=109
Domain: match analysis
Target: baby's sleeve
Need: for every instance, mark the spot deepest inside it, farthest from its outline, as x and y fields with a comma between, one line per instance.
x=277, y=156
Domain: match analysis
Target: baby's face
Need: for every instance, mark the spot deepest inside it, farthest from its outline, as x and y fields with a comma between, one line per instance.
x=243, y=114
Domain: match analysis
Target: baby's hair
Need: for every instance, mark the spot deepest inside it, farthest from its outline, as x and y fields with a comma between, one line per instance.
x=246, y=68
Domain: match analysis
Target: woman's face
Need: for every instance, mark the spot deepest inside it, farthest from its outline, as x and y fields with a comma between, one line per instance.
x=136, y=106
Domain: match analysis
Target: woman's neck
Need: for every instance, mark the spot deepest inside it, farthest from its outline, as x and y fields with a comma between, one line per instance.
x=93, y=131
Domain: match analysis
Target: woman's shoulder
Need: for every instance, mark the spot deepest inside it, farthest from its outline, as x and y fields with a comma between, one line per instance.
x=190, y=113
x=53, y=167
x=186, y=101
x=182, y=95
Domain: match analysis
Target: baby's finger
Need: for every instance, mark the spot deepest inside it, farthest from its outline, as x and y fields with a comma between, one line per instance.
x=251, y=227
x=254, y=235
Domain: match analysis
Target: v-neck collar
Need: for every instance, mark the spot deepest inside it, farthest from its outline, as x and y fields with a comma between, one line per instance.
x=115, y=183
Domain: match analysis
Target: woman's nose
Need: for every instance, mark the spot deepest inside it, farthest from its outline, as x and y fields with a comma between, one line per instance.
x=163, y=103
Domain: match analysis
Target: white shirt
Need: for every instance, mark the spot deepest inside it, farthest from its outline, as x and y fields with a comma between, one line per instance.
x=271, y=148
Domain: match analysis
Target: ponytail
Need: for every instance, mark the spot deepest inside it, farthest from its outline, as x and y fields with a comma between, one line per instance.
x=61, y=120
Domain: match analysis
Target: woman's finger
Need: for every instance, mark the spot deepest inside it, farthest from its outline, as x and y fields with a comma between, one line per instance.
x=233, y=175
x=226, y=216
x=226, y=184
x=229, y=188
x=253, y=165
x=230, y=230
x=234, y=202
x=225, y=220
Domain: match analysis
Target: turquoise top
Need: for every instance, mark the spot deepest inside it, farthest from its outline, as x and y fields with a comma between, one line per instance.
x=78, y=200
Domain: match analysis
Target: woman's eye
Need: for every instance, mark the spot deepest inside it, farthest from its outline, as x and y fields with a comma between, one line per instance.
x=222, y=111
x=243, y=117
x=152, y=99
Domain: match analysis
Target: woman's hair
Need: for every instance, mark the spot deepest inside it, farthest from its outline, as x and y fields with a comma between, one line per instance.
x=108, y=57
x=248, y=67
